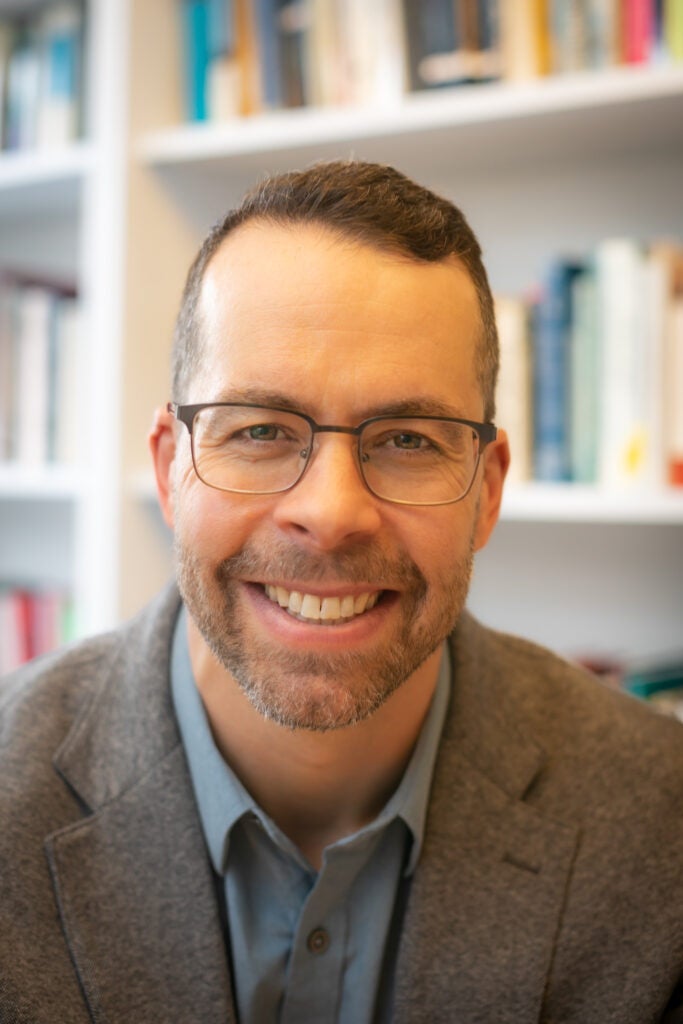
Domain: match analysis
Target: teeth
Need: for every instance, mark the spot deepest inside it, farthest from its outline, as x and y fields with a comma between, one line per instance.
x=326, y=609
x=330, y=608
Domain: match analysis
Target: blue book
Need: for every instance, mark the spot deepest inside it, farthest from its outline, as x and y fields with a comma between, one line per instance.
x=269, y=55
x=552, y=381
x=196, y=57
x=61, y=31
x=220, y=27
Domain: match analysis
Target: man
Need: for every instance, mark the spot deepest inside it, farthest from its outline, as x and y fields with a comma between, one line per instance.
x=315, y=789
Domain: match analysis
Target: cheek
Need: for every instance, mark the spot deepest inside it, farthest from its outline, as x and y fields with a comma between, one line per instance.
x=443, y=543
x=211, y=524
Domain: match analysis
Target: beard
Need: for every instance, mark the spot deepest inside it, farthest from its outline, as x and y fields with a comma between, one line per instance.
x=309, y=690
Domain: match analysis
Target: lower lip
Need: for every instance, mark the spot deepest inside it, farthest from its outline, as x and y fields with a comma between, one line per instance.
x=298, y=633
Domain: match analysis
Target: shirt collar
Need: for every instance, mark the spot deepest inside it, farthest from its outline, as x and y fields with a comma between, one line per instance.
x=221, y=798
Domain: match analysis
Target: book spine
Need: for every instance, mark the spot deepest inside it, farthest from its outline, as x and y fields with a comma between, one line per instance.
x=61, y=55
x=268, y=53
x=552, y=323
x=585, y=379
x=675, y=402
x=34, y=311
x=196, y=57
x=514, y=390
x=673, y=28
x=624, y=436
x=638, y=30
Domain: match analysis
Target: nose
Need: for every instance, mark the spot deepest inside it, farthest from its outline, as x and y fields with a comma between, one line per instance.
x=330, y=506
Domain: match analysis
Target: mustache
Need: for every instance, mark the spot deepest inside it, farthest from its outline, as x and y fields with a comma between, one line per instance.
x=353, y=565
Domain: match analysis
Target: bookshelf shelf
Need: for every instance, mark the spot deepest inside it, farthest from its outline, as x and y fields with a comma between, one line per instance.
x=575, y=503
x=617, y=110
x=36, y=483
x=43, y=180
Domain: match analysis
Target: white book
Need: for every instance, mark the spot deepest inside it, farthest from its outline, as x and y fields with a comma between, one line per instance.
x=67, y=384
x=6, y=373
x=375, y=47
x=327, y=84
x=34, y=309
x=514, y=389
x=674, y=396
x=625, y=456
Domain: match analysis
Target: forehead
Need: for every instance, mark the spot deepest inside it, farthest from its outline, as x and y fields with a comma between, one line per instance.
x=327, y=318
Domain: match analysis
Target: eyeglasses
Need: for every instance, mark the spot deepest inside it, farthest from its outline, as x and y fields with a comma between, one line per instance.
x=410, y=460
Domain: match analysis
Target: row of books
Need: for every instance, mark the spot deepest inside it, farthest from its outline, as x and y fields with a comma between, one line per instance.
x=40, y=364
x=32, y=622
x=41, y=75
x=244, y=56
x=591, y=384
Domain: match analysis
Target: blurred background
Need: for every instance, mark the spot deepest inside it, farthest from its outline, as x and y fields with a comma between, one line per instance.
x=129, y=126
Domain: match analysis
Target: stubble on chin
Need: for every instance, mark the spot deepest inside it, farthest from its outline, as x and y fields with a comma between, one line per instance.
x=309, y=690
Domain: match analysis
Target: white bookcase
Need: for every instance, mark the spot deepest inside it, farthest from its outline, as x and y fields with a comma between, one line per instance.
x=538, y=168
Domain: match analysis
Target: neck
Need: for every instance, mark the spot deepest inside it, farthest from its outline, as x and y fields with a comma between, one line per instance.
x=316, y=786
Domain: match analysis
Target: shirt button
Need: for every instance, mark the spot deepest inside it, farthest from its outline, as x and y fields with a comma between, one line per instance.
x=318, y=941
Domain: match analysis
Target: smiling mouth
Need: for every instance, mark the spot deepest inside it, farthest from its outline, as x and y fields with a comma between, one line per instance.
x=325, y=611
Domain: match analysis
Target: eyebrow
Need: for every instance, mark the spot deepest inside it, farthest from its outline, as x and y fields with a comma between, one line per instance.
x=414, y=406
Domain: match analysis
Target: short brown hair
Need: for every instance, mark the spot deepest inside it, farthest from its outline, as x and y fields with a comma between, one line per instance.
x=368, y=203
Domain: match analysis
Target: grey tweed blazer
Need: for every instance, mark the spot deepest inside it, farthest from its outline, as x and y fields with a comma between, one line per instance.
x=550, y=886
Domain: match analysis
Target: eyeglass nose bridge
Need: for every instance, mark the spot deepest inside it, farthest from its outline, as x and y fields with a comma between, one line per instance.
x=331, y=428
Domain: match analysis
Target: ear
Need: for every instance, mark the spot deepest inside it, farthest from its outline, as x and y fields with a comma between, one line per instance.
x=162, y=445
x=496, y=460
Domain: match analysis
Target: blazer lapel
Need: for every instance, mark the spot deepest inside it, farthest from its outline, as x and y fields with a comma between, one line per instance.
x=132, y=878
x=485, y=903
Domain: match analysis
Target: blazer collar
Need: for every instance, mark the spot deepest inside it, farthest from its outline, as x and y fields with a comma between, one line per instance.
x=134, y=886
x=485, y=904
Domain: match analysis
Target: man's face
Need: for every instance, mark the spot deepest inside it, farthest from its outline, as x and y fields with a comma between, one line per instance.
x=297, y=317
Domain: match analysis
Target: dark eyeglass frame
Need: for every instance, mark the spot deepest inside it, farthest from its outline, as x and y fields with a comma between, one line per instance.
x=186, y=414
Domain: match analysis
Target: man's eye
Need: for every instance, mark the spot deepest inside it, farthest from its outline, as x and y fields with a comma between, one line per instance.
x=263, y=432
x=410, y=442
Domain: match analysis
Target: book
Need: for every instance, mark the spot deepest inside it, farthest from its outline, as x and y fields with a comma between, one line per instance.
x=7, y=391
x=6, y=44
x=625, y=456
x=65, y=387
x=374, y=44
x=568, y=26
x=23, y=90
x=674, y=378
x=585, y=379
x=60, y=28
x=196, y=57
x=292, y=28
x=514, y=412
x=435, y=53
x=32, y=622
x=602, y=29
x=638, y=30
x=479, y=31
x=672, y=18
x=40, y=368
x=525, y=39
x=551, y=353
x=33, y=313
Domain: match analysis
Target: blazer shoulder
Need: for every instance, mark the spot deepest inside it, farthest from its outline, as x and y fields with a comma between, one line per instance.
x=41, y=701
x=587, y=729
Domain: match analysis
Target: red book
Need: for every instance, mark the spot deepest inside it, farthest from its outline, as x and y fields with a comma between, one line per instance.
x=638, y=30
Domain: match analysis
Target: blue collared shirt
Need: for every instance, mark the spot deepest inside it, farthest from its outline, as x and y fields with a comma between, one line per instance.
x=305, y=945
